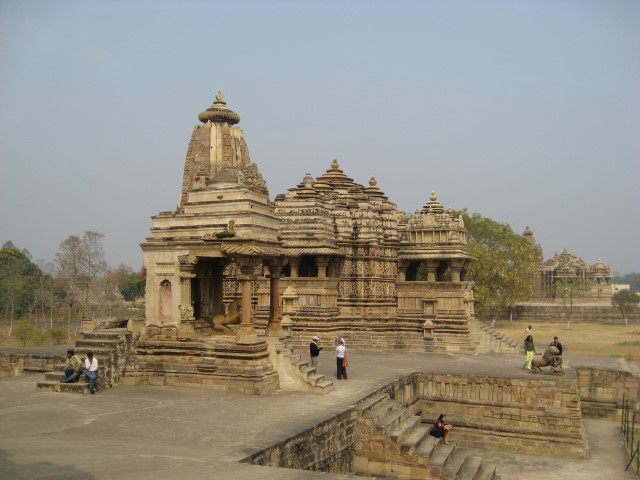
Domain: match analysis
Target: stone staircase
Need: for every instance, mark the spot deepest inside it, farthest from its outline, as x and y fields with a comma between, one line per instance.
x=451, y=333
x=111, y=347
x=490, y=340
x=393, y=443
x=295, y=373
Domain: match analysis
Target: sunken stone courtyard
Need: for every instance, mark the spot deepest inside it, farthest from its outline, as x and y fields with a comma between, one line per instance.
x=215, y=381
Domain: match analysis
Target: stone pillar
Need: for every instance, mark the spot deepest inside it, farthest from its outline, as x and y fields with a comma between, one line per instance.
x=456, y=268
x=274, y=329
x=294, y=263
x=322, y=263
x=432, y=268
x=402, y=271
x=187, y=264
x=246, y=332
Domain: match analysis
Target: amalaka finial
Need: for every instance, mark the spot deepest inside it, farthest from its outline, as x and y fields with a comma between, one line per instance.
x=373, y=182
x=218, y=112
x=335, y=165
x=433, y=196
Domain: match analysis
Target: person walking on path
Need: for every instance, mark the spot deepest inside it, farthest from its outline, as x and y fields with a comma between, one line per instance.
x=341, y=361
x=529, y=350
x=314, y=351
x=91, y=371
x=73, y=367
x=556, y=343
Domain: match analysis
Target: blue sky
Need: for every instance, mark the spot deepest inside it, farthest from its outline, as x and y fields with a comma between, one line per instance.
x=527, y=112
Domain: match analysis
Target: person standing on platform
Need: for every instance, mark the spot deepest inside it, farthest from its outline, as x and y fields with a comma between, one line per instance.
x=529, y=350
x=314, y=351
x=341, y=361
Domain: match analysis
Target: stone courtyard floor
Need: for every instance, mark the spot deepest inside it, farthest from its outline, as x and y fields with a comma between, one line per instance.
x=152, y=432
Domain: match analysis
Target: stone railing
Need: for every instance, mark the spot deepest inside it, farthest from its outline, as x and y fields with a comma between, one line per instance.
x=18, y=364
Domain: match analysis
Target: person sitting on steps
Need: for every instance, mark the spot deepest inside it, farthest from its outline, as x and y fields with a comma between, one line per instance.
x=441, y=429
x=73, y=367
x=91, y=371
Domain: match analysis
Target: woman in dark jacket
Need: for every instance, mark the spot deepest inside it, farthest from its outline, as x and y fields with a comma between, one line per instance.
x=441, y=429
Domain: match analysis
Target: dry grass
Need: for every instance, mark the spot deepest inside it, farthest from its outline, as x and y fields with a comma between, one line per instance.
x=601, y=340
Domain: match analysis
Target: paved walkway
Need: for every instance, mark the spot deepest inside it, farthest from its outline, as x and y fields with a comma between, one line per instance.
x=150, y=432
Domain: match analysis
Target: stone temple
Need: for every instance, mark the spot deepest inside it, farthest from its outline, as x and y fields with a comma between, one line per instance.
x=229, y=270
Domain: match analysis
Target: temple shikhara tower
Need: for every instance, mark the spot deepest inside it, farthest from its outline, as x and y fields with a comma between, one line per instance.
x=231, y=273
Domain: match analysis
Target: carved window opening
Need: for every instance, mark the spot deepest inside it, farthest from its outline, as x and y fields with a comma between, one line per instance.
x=286, y=271
x=463, y=274
x=308, y=267
x=443, y=273
x=165, y=302
x=416, y=272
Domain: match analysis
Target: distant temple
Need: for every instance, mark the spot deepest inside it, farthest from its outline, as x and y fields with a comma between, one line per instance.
x=565, y=274
x=229, y=268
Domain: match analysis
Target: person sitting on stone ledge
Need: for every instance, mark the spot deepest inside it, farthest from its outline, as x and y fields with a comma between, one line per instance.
x=72, y=368
x=556, y=343
x=91, y=371
x=441, y=429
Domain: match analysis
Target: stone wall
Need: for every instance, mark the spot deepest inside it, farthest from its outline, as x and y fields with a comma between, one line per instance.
x=526, y=415
x=602, y=390
x=18, y=364
x=326, y=447
x=579, y=313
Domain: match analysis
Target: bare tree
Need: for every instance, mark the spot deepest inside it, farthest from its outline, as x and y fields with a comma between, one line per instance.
x=45, y=292
x=81, y=263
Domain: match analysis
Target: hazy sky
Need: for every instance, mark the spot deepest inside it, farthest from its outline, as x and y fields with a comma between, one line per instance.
x=527, y=112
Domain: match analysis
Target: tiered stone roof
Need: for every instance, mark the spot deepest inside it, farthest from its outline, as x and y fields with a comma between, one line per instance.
x=434, y=233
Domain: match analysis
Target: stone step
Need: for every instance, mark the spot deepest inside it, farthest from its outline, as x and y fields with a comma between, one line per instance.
x=410, y=442
x=371, y=402
x=461, y=466
x=394, y=418
x=315, y=379
x=454, y=464
x=486, y=472
x=299, y=363
x=308, y=370
x=406, y=427
x=53, y=386
x=374, y=415
x=441, y=453
x=325, y=386
x=426, y=446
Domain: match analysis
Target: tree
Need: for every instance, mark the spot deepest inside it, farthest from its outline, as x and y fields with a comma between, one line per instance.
x=504, y=267
x=564, y=288
x=626, y=301
x=81, y=262
x=18, y=277
x=132, y=286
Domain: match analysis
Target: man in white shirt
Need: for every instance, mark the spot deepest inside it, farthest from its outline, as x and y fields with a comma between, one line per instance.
x=341, y=353
x=91, y=371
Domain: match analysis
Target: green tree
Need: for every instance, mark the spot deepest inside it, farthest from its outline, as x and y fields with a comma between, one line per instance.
x=626, y=301
x=504, y=267
x=132, y=286
x=18, y=279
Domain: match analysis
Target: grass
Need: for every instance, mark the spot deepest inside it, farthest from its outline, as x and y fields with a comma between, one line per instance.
x=596, y=339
